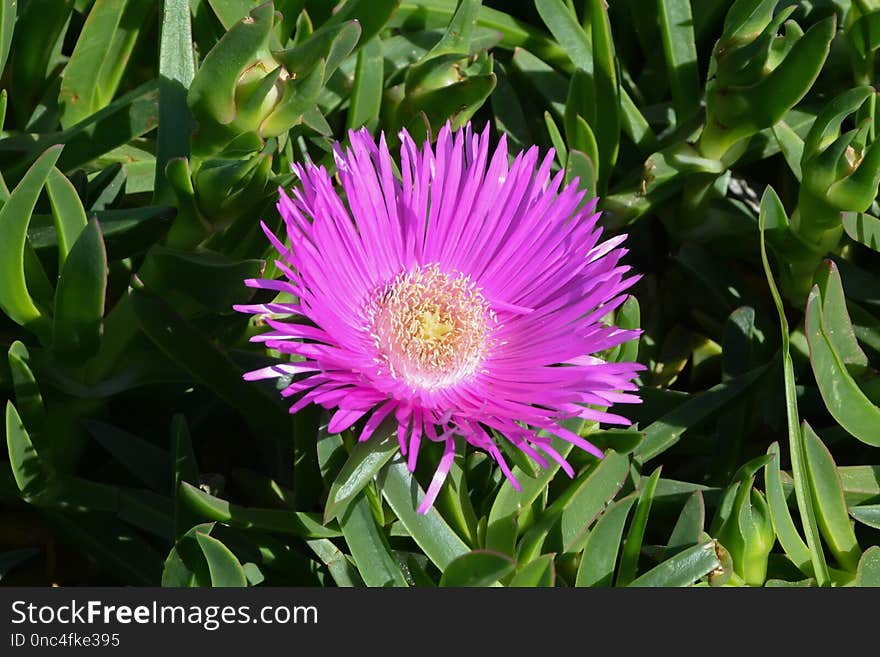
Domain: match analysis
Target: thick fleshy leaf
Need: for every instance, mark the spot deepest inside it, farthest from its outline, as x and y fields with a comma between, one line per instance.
x=366, y=95
x=186, y=564
x=297, y=523
x=30, y=471
x=428, y=530
x=223, y=566
x=586, y=498
x=771, y=209
x=15, y=215
x=538, y=573
x=67, y=212
x=100, y=56
x=844, y=399
x=365, y=461
x=599, y=556
x=863, y=228
x=689, y=526
x=177, y=69
x=683, y=569
x=665, y=432
x=680, y=50
x=477, y=568
x=632, y=545
x=831, y=512
x=783, y=524
x=369, y=545
x=869, y=568
x=79, y=297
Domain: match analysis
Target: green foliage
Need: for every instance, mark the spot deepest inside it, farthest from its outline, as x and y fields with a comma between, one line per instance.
x=141, y=144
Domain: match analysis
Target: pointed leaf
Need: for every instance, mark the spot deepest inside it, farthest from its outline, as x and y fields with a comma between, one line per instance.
x=477, y=568
x=79, y=297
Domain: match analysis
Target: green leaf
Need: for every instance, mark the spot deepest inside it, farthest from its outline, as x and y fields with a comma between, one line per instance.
x=683, y=569
x=184, y=467
x=563, y=25
x=632, y=546
x=186, y=564
x=783, y=524
x=791, y=145
x=15, y=215
x=224, y=567
x=603, y=544
x=606, y=125
x=867, y=514
x=869, y=567
x=125, y=119
x=177, y=69
x=296, y=523
x=689, y=526
x=501, y=527
x=210, y=279
x=67, y=212
x=456, y=40
x=538, y=573
x=831, y=512
x=477, y=568
x=141, y=458
x=30, y=472
x=28, y=398
x=863, y=228
x=8, y=12
x=861, y=483
x=79, y=297
x=665, y=432
x=339, y=564
x=836, y=319
x=332, y=43
x=556, y=139
x=680, y=50
x=365, y=461
x=864, y=33
x=771, y=209
x=369, y=545
x=212, y=91
x=843, y=398
x=585, y=499
x=366, y=94
x=429, y=531
x=100, y=56
x=190, y=349
x=515, y=33
x=372, y=15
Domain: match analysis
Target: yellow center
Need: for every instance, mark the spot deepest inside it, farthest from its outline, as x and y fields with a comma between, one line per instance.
x=430, y=328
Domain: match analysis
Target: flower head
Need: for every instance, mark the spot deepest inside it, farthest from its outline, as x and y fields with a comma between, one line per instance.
x=465, y=296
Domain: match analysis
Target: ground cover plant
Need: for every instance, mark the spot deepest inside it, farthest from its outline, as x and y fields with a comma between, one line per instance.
x=733, y=143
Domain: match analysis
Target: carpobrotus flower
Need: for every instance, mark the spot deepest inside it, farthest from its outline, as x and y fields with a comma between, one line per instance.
x=466, y=297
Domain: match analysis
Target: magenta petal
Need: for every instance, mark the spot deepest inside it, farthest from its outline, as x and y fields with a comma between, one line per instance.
x=439, y=476
x=464, y=291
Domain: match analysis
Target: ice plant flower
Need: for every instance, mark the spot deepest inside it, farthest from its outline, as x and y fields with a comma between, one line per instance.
x=464, y=297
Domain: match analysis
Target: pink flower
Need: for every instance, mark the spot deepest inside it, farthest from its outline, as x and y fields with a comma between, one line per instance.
x=464, y=296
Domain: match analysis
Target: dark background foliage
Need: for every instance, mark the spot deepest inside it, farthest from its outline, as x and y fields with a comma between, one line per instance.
x=143, y=142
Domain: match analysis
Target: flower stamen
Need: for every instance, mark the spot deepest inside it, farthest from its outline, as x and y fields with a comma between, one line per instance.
x=430, y=328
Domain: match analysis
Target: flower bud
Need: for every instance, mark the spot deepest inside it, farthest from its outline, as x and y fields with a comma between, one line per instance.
x=245, y=86
x=840, y=171
x=747, y=532
x=756, y=76
x=448, y=81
